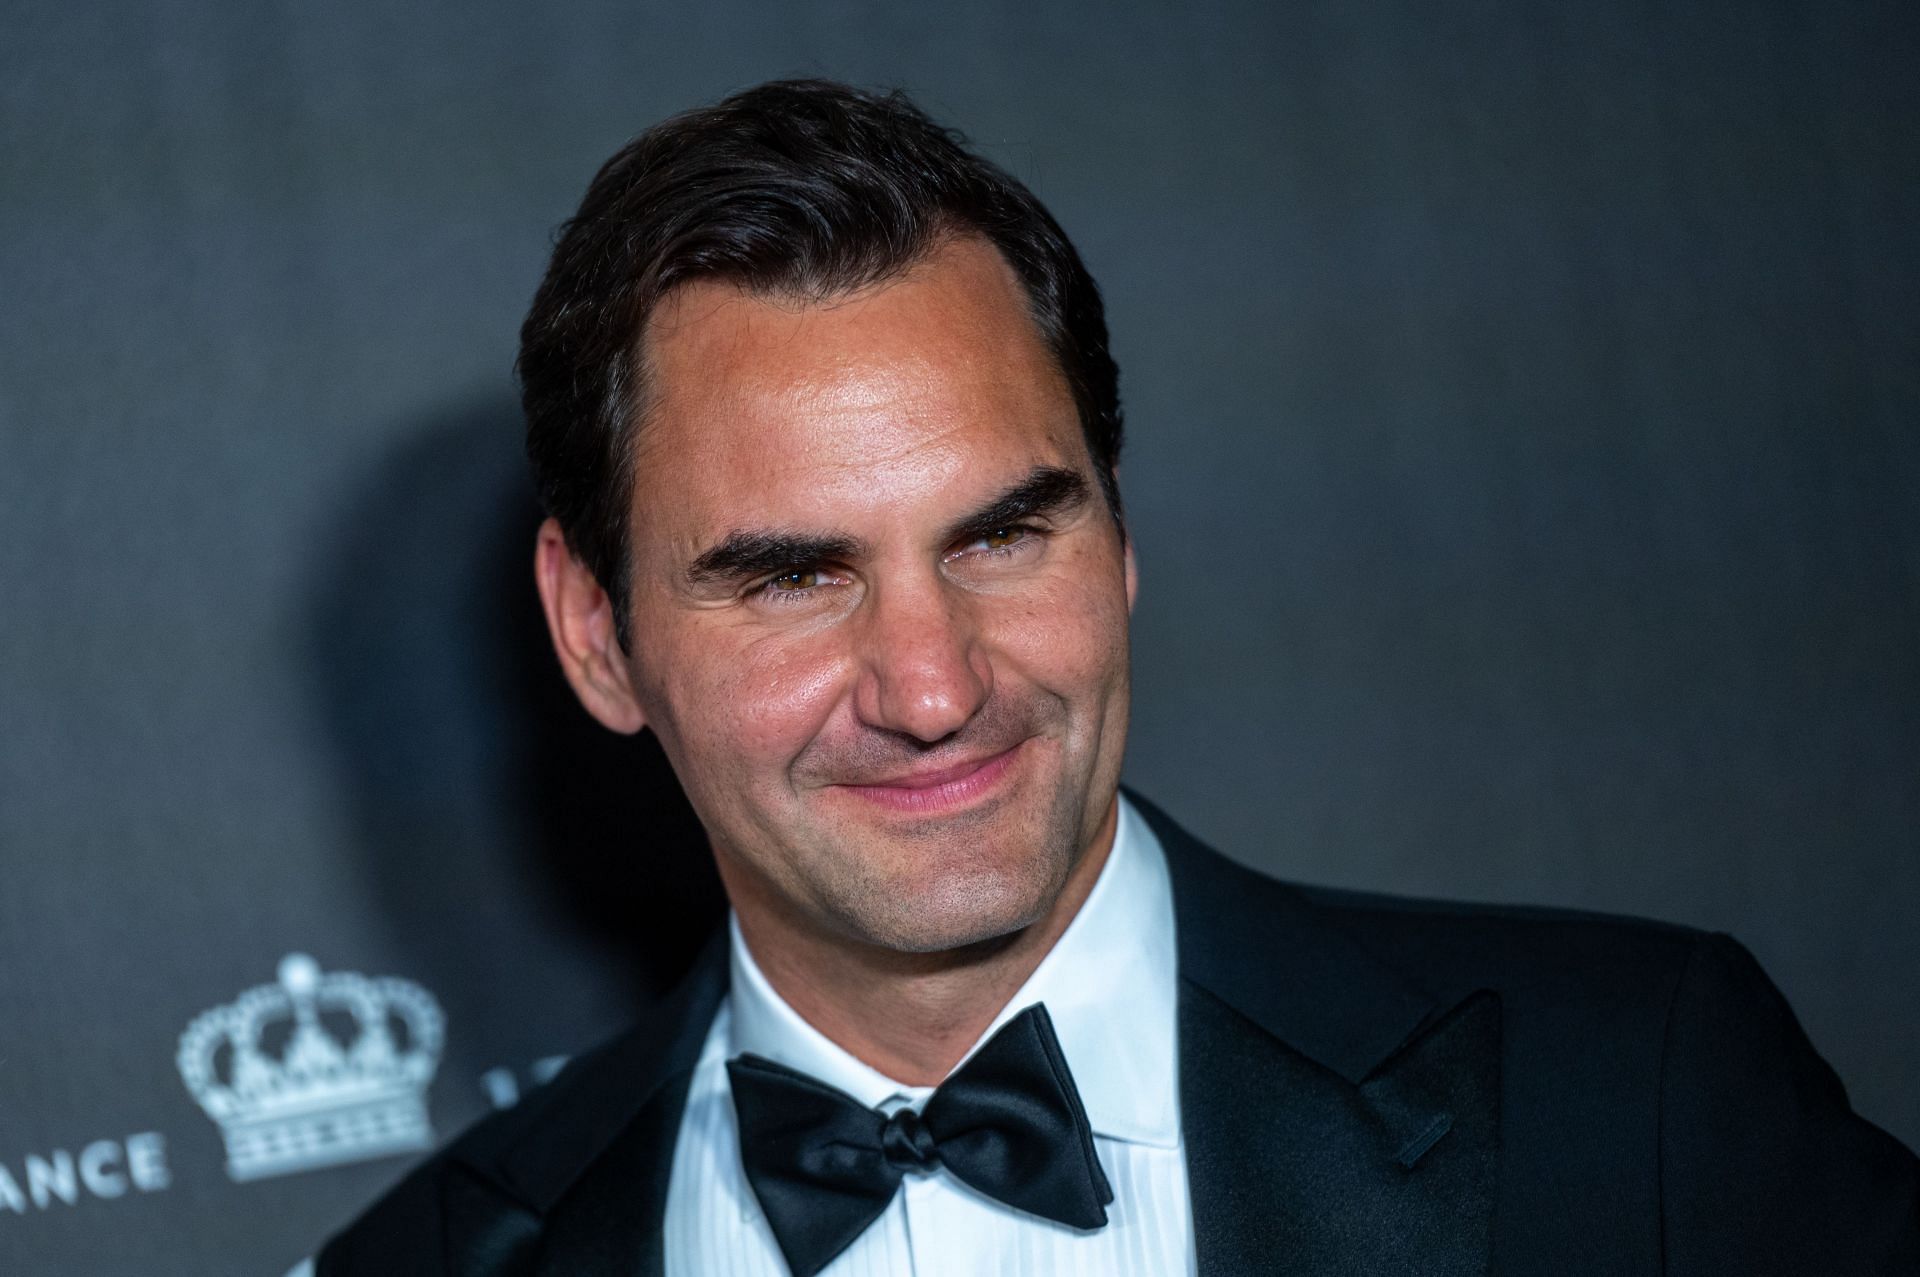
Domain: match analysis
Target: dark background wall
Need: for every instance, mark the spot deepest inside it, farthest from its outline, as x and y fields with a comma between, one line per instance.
x=1524, y=460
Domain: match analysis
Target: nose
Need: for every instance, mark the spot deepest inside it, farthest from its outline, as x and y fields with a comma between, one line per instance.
x=923, y=671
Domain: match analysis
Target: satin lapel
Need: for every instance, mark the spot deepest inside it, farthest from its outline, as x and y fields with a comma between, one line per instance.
x=603, y=1191
x=609, y=1223
x=1337, y=1116
x=1292, y=1169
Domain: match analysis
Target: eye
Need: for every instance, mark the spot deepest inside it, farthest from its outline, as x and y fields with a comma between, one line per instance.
x=795, y=586
x=793, y=582
x=1008, y=541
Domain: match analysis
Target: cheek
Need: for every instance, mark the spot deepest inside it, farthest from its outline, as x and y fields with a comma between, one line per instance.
x=1070, y=634
x=744, y=707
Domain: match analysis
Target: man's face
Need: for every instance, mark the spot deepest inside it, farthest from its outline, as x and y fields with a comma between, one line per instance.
x=879, y=605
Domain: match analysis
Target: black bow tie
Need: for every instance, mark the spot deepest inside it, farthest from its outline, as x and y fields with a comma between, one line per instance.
x=1008, y=1122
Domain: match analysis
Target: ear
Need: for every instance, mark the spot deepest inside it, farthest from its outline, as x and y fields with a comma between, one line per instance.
x=580, y=622
x=1133, y=574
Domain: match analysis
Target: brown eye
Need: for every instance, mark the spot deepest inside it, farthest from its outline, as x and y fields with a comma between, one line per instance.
x=997, y=546
x=805, y=579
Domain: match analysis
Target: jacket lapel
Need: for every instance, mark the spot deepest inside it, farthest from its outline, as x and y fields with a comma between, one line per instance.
x=611, y=1221
x=606, y=1216
x=1337, y=1117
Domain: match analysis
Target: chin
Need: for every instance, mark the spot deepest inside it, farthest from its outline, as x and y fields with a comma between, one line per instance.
x=958, y=909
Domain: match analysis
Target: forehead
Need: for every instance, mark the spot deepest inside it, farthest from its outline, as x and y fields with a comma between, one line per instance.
x=765, y=409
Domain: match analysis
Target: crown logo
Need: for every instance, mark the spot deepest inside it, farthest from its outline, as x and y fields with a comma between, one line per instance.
x=316, y=1070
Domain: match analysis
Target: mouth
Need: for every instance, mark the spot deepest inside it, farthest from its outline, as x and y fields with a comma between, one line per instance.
x=939, y=790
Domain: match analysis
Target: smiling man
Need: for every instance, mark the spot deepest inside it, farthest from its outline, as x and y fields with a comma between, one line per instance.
x=822, y=410
x=879, y=623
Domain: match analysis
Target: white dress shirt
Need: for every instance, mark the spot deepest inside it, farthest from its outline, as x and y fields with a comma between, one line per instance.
x=1108, y=983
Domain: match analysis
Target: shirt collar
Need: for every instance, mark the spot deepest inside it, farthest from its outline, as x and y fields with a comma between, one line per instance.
x=1109, y=984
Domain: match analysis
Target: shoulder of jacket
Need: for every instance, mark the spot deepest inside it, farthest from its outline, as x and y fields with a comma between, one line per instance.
x=482, y=1181
x=1543, y=949
x=484, y=1193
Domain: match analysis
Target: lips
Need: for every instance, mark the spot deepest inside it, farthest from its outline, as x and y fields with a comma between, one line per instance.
x=941, y=789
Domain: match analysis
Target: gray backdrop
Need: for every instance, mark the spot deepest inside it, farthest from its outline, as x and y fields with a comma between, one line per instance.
x=1523, y=461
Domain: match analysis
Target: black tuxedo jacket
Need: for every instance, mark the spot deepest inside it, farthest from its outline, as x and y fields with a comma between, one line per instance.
x=1367, y=1085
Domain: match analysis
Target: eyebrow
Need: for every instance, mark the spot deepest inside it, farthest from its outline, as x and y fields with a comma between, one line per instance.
x=750, y=552
x=1047, y=490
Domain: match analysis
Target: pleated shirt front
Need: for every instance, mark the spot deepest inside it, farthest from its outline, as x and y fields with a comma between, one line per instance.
x=1110, y=986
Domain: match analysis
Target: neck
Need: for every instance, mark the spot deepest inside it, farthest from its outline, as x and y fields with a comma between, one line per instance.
x=910, y=1016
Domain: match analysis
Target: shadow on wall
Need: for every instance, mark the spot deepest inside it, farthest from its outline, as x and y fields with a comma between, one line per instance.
x=543, y=874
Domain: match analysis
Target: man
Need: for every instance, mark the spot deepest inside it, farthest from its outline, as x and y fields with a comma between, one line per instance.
x=822, y=410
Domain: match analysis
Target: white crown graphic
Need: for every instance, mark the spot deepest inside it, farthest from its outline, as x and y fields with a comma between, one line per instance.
x=319, y=1100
